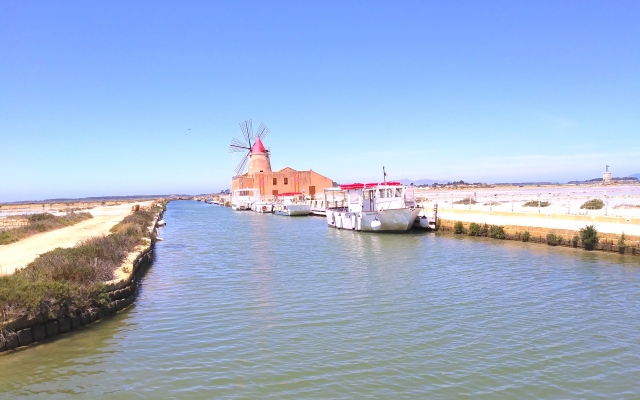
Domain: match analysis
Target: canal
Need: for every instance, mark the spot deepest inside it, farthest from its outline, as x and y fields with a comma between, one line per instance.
x=245, y=305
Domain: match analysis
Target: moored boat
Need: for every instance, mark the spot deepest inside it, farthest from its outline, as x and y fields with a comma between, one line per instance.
x=243, y=199
x=291, y=204
x=263, y=206
x=373, y=207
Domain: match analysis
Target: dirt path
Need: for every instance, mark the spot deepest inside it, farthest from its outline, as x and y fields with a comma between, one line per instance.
x=19, y=254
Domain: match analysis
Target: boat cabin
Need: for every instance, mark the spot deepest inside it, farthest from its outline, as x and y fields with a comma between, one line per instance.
x=360, y=197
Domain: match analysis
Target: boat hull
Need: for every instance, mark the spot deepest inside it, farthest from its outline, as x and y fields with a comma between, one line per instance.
x=395, y=220
x=263, y=207
x=293, y=210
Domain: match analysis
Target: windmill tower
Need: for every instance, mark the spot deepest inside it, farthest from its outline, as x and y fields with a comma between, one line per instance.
x=255, y=153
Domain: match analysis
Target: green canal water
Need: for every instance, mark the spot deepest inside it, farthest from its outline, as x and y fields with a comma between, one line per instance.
x=243, y=305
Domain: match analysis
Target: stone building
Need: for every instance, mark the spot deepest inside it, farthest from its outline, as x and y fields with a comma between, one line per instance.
x=287, y=180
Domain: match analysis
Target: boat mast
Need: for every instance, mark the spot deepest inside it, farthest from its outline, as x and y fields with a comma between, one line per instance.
x=384, y=176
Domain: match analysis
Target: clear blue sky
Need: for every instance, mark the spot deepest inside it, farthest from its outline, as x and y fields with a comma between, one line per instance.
x=143, y=97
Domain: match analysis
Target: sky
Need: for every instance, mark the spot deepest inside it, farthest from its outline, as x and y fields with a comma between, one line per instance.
x=109, y=98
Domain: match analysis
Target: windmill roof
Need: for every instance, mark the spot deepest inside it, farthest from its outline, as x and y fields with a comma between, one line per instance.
x=258, y=147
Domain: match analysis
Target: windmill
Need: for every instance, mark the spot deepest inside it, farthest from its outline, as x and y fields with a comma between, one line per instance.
x=247, y=145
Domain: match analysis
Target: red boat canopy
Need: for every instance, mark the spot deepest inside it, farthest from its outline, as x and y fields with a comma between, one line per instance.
x=289, y=194
x=354, y=186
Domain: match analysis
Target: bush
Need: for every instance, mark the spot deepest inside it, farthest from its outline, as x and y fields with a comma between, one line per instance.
x=466, y=200
x=485, y=230
x=589, y=236
x=474, y=229
x=621, y=246
x=575, y=240
x=525, y=236
x=553, y=240
x=497, y=232
x=534, y=203
x=593, y=204
x=458, y=228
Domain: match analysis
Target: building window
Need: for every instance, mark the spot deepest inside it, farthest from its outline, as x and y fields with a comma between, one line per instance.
x=275, y=181
x=286, y=181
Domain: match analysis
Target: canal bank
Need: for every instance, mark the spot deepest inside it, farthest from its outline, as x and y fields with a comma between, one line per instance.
x=616, y=234
x=115, y=295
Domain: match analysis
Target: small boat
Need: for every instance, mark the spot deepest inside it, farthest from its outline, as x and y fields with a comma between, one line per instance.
x=243, y=199
x=263, y=206
x=291, y=204
x=372, y=207
x=317, y=207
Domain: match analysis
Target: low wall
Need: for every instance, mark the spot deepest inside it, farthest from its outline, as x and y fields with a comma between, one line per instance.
x=607, y=241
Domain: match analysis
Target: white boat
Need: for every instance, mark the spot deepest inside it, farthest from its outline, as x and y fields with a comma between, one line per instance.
x=291, y=204
x=317, y=206
x=263, y=206
x=426, y=221
x=243, y=199
x=373, y=207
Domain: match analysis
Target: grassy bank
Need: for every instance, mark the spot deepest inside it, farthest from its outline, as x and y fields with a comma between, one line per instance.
x=66, y=281
x=38, y=223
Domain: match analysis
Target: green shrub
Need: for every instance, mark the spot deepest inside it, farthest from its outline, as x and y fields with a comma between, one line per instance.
x=474, y=229
x=497, y=232
x=466, y=200
x=485, y=230
x=534, y=203
x=458, y=228
x=621, y=245
x=575, y=240
x=41, y=217
x=593, y=204
x=525, y=236
x=552, y=239
x=589, y=236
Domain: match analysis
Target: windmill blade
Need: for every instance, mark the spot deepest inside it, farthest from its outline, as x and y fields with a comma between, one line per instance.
x=238, y=146
x=262, y=131
x=247, y=131
x=242, y=164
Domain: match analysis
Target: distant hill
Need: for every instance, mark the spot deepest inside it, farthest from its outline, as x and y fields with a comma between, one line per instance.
x=635, y=175
x=632, y=178
x=92, y=199
x=420, y=182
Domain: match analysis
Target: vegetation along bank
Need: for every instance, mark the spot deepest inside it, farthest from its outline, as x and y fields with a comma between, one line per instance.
x=68, y=288
x=587, y=238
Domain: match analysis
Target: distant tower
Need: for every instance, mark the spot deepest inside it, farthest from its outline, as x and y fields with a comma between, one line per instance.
x=606, y=177
x=259, y=159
